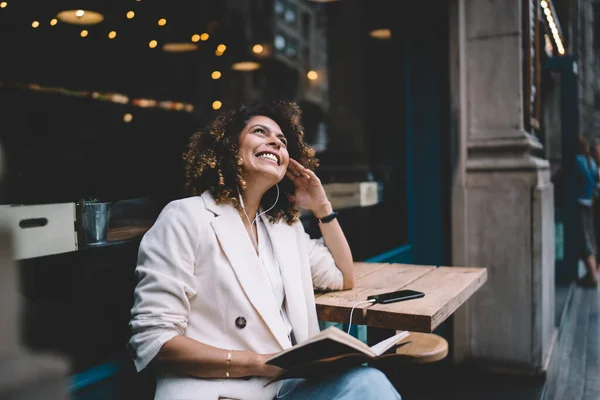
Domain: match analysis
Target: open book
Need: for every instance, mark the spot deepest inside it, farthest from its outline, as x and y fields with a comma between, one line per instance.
x=329, y=351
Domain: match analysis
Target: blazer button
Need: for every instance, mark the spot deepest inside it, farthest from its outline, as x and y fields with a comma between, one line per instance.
x=240, y=322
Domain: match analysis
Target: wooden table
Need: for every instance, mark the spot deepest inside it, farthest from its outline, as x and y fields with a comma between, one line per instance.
x=445, y=288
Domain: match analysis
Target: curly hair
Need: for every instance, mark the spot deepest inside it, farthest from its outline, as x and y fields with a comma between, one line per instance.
x=212, y=162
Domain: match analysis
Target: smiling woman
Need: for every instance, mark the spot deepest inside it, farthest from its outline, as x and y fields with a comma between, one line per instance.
x=255, y=278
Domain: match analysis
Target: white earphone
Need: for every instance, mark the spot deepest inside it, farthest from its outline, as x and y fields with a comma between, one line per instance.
x=254, y=239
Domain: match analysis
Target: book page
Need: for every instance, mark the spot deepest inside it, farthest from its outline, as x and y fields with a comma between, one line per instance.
x=330, y=342
x=381, y=347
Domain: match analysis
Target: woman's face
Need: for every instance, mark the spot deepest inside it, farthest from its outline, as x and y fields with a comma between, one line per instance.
x=263, y=147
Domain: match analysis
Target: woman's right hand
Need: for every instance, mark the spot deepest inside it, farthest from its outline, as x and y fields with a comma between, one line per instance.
x=264, y=369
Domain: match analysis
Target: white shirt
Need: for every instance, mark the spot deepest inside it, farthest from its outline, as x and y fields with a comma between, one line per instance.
x=271, y=266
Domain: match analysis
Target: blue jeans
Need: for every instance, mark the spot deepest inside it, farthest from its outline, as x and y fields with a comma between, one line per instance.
x=361, y=383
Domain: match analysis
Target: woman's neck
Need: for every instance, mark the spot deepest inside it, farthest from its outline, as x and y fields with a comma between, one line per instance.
x=252, y=201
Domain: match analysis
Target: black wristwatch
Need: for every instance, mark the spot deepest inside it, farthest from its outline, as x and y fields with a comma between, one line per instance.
x=328, y=218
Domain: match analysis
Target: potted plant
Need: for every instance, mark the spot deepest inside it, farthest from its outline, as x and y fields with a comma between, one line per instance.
x=95, y=216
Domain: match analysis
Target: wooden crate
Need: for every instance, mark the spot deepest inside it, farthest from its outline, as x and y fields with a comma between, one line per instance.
x=353, y=194
x=40, y=230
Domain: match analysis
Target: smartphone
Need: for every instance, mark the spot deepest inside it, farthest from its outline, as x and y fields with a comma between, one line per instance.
x=392, y=297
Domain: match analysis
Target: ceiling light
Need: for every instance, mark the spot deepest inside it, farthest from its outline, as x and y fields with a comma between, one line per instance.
x=79, y=13
x=179, y=47
x=245, y=66
x=87, y=18
x=381, y=33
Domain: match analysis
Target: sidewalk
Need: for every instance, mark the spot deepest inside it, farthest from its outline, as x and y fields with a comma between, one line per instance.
x=574, y=373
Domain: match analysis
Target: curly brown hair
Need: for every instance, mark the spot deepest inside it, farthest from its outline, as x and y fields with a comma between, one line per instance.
x=211, y=160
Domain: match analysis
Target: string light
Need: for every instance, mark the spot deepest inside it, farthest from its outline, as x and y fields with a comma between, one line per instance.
x=53, y=21
x=162, y=22
x=216, y=105
x=79, y=13
x=127, y=118
x=3, y=4
x=257, y=48
x=220, y=50
x=195, y=38
x=553, y=24
x=204, y=37
x=83, y=33
x=215, y=75
x=35, y=24
x=312, y=75
x=112, y=34
x=153, y=43
x=130, y=14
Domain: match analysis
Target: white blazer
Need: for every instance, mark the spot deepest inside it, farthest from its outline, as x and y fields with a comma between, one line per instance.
x=198, y=273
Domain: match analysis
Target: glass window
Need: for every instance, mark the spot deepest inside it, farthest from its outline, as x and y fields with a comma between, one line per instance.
x=108, y=114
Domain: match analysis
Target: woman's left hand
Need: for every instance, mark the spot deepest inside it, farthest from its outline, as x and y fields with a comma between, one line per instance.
x=309, y=194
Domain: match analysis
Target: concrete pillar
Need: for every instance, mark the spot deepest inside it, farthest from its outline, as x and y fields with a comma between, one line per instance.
x=502, y=197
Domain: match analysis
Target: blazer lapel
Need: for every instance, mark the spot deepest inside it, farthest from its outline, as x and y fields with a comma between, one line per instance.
x=285, y=246
x=250, y=273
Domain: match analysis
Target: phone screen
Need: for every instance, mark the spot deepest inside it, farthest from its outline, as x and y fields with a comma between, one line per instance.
x=393, y=297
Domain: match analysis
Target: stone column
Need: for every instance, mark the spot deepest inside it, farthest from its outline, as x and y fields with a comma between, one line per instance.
x=502, y=197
